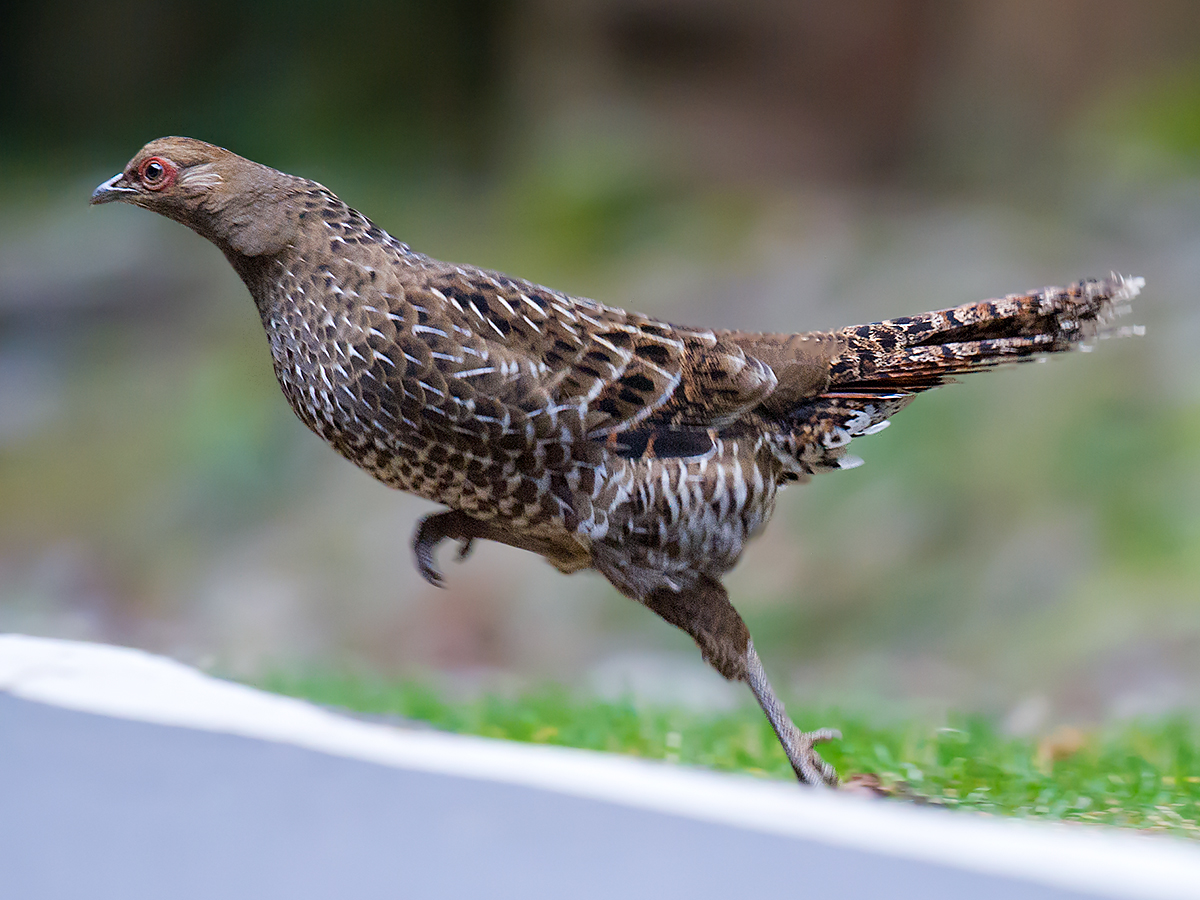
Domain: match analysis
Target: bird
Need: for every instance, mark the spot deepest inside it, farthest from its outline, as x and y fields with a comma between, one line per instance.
x=595, y=437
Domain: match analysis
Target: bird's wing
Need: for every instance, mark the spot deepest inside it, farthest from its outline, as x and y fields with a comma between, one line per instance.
x=519, y=358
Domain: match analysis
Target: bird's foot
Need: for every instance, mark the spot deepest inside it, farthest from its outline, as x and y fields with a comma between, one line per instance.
x=800, y=747
x=432, y=530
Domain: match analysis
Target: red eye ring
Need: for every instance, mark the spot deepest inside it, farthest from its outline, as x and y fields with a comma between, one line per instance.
x=157, y=173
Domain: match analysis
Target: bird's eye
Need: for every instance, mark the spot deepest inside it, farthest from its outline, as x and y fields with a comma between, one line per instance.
x=156, y=173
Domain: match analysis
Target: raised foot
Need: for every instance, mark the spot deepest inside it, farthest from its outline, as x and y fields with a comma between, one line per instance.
x=432, y=530
x=806, y=762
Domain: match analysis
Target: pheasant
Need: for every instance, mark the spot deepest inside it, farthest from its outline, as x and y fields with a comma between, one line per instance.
x=594, y=437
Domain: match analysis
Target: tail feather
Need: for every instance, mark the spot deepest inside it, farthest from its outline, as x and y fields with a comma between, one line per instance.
x=920, y=352
x=883, y=366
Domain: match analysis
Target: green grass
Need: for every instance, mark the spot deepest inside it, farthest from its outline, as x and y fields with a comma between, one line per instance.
x=1139, y=775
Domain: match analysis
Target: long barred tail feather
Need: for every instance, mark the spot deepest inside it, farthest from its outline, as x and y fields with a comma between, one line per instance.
x=886, y=364
x=919, y=352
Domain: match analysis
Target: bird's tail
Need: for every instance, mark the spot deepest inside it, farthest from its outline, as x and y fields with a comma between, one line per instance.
x=919, y=352
x=882, y=366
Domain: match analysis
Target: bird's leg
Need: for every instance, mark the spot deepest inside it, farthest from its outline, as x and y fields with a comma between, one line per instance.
x=797, y=744
x=435, y=528
x=704, y=612
x=458, y=526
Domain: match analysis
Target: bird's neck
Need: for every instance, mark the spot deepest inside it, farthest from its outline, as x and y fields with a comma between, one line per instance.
x=257, y=230
x=255, y=272
x=253, y=212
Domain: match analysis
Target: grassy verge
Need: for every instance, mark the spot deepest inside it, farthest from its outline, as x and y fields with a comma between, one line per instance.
x=1140, y=775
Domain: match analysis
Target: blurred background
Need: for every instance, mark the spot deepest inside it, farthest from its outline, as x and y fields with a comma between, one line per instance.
x=1026, y=544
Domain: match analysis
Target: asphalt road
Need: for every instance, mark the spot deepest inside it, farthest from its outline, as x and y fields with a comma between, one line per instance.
x=100, y=799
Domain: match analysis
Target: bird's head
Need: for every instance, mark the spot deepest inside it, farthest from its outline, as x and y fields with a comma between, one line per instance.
x=243, y=207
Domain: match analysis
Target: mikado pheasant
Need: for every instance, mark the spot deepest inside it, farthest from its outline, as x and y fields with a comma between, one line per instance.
x=595, y=437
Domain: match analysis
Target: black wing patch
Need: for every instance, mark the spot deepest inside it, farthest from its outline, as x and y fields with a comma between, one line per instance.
x=660, y=443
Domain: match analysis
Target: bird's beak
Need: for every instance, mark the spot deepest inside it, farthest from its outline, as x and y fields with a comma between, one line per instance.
x=113, y=189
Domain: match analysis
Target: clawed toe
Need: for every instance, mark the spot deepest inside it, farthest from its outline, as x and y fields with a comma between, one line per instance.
x=424, y=544
x=809, y=766
x=431, y=531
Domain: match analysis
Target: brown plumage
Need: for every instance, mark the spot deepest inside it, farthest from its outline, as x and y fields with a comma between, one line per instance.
x=595, y=437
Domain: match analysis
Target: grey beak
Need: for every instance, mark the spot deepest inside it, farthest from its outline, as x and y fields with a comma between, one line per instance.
x=112, y=189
